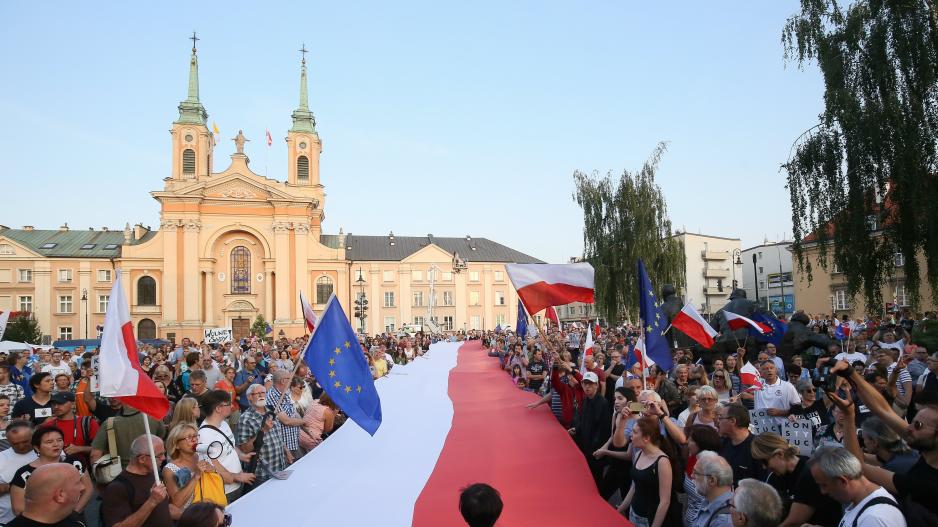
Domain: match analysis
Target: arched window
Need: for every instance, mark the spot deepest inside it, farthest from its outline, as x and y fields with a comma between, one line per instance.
x=146, y=291
x=146, y=329
x=302, y=168
x=323, y=289
x=240, y=270
x=188, y=162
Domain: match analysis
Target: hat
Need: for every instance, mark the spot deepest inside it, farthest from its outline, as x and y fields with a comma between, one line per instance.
x=590, y=377
x=62, y=397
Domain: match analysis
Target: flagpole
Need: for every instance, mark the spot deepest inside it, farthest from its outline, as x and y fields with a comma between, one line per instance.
x=641, y=336
x=146, y=428
x=296, y=366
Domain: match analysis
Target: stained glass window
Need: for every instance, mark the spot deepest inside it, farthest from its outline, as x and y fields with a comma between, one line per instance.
x=323, y=289
x=240, y=270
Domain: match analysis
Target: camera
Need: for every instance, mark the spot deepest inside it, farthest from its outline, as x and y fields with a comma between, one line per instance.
x=826, y=380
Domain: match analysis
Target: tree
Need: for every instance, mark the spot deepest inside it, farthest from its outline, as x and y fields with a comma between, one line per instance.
x=259, y=327
x=22, y=327
x=867, y=170
x=624, y=219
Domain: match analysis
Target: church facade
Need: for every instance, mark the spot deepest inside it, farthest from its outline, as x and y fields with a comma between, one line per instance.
x=233, y=244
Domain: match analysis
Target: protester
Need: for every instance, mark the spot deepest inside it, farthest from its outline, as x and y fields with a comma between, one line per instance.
x=713, y=479
x=591, y=426
x=205, y=514
x=48, y=444
x=756, y=504
x=21, y=452
x=38, y=406
x=649, y=499
x=215, y=428
x=258, y=438
x=133, y=499
x=78, y=432
x=733, y=421
x=839, y=475
x=54, y=493
x=886, y=447
x=7, y=387
x=776, y=396
x=183, y=472
x=480, y=505
x=128, y=425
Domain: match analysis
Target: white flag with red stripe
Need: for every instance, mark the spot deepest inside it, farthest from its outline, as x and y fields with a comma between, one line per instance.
x=4, y=318
x=587, y=349
x=694, y=326
x=740, y=322
x=642, y=357
x=119, y=372
x=748, y=374
x=308, y=314
x=543, y=285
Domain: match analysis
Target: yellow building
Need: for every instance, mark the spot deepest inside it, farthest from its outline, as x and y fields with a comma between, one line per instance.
x=234, y=244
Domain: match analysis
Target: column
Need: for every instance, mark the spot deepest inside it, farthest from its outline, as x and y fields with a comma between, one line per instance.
x=406, y=297
x=43, y=303
x=461, y=299
x=168, y=228
x=269, y=290
x=210, y=298
x=301, y=231
x=488, y=298
x=282, y=267
x=192, y=288
x=374, y=301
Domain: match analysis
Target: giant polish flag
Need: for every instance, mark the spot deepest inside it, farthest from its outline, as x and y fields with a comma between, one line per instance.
x=544, y=285
x=449, y=419
x=119, y=372
x=740, y=322
x=694, y=326
x=308, y=314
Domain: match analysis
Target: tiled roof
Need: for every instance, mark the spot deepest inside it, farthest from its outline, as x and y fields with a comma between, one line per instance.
x=69, y=243
x=379, y=248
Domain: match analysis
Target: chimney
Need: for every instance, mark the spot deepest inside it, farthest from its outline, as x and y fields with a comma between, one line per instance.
x=139, y=231
x=64, y=227
x=127, y=232
x=28, y=228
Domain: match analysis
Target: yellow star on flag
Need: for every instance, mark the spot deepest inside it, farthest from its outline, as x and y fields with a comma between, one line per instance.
x=331, y=362
x=649, y=328
x=332, y=373
x=337, y=351
x=358, y=389
x=347, y=344
x=348, y=389
x=337, y=384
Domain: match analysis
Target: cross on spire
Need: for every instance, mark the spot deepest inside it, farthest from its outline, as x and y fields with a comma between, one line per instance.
x=194, y=38
x=304, y=51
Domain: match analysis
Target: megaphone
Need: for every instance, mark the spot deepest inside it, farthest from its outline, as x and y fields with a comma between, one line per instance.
x=212, y=450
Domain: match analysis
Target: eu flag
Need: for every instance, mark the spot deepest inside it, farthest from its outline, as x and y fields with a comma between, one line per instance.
x=777, y=326
x=337, y=361
x=522, y=326
x=653, y=321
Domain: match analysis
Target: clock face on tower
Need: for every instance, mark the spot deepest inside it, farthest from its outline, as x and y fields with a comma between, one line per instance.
x=303, y=144
x=188, y=138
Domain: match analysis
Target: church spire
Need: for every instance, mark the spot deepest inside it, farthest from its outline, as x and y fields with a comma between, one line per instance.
x=191, y=110
x=303, y=120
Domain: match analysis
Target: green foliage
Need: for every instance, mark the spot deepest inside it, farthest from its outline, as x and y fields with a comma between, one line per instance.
x=925, y=333
x=259, y=327
x=862, y=181
x=23, y=327
x=625, y=218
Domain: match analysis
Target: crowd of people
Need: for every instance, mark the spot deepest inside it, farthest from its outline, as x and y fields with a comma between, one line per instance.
x=679, y=446
x=239, y=414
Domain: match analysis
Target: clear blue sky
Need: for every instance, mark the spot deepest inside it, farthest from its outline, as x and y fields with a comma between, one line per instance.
x=436, y=117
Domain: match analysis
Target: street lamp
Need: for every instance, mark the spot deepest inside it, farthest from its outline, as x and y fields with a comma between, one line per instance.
x=736, y=261
x=361, y=304
x=84, y=305
x=755, y=275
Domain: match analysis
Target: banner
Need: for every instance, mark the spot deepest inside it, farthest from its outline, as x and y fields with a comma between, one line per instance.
x=217, y=335
x=799, y=433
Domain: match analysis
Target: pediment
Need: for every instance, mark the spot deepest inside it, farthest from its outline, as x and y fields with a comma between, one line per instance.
x=236, y=187
x=10, y=248
x=432, y=253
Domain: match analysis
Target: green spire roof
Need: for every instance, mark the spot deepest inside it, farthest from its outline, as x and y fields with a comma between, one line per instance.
x=191, y=110
x=303, y=119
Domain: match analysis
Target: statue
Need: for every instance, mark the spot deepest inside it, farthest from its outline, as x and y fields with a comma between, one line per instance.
x=729, y=339
x=239, y=141
x=671, y=306
x=799, y=338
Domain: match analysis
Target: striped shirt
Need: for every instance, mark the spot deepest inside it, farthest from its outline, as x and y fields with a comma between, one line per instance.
x=904, y=377
x=289, y=434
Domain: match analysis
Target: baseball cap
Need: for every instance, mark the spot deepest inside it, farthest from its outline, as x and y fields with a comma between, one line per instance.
x=590, y=377
x=62, y=397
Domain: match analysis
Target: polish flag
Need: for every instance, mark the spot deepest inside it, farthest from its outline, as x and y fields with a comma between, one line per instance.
x=641, y=357
x=459, y=400
x=551, y=315
x=544, y=285
x=4, y=318
x=748, y=374
x=119, y=372
x=598, y=331
x=694, y=326
x=740, y=322
x=587, y=349
x=308, y=314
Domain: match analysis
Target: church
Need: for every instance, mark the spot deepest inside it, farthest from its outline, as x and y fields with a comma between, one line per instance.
x=233, y=244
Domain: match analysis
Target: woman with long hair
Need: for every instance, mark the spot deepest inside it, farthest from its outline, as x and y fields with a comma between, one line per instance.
x=186, y=411
x=732, y=366
x=204, y=514
x=790, y=475
x=617, y=476
x=649, y=499
x=723, y=384
x=49, y=444
x=183, y=470
x=319, y=419
x=706, y=411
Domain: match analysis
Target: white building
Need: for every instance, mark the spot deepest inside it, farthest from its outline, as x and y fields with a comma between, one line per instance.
x=709, y=270
x=768, y=267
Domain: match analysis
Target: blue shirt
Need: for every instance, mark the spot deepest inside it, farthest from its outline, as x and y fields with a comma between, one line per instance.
x=722, y=519
x=242, y=377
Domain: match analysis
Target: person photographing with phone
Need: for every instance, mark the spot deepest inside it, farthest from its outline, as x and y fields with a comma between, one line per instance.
x=244, y=379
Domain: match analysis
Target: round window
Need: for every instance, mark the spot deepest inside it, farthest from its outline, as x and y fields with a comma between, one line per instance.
x=188, y=138
x=303, y=145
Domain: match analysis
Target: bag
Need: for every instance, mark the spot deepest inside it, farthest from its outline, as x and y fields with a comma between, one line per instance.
x=210, y=488
x=108, y=466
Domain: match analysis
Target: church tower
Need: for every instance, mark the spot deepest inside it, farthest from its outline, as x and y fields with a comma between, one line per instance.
x=303, y=144
x=192, y=140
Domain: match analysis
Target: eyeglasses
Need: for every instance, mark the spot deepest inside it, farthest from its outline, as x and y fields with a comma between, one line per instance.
x=918, y=425
x=190, y=438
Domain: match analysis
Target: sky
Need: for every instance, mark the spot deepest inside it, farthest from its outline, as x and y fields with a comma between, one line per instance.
x=436, y=117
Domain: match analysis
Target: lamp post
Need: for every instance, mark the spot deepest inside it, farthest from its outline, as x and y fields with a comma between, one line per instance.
x=755, y=274
x=781, y=277
x=361, y=304
x=84, y=305
x=736, y=261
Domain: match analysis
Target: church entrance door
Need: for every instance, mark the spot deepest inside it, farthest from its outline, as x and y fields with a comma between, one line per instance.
x=240, y=328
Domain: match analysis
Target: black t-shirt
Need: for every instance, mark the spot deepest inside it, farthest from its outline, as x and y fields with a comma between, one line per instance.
x=740, y=458
x=37, y=412
x=126, y=494
x=536, y=368
x=22, y=474
x=73, y=520
x=920, y=484
x=817, y=414
x=799, y=487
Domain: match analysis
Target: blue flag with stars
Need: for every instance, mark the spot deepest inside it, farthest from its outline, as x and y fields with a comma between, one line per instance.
x=337, y=361
x=522, y=325
x=653, y=322
x=778, y=329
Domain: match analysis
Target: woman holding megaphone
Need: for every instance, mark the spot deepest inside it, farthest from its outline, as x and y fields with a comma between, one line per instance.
x=184, y=468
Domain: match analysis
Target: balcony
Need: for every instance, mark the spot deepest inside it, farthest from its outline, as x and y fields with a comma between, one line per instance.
x=716, y=273
x=715, y=291
x=715, y=255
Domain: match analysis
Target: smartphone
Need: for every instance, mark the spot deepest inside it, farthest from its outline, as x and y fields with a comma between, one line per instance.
x=636, y=407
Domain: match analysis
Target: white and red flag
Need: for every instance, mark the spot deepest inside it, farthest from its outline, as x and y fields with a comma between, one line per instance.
x=587, y=349
x=308, y=314
x=740, y=322
x=551, y=314
x=4, y=318
x=544, y=285
x=597, y=329
x=748, y=374
x=641, y=357
x=119, y=372
x=694, y=326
